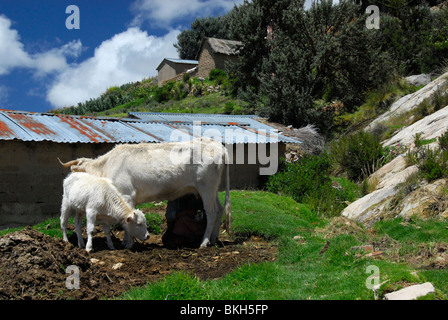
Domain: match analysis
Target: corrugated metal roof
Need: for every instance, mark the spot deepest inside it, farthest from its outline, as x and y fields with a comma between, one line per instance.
x=156, y=128
x=183, y=61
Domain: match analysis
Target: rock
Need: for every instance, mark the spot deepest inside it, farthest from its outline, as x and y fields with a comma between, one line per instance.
x=419, y=80
x=425, y=202
x=410, y=101
x=430, y=127
x=117, y=266
x=411, y=293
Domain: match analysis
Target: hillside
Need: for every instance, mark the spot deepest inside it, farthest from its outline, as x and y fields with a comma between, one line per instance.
x=414, y=182
x=195, y=95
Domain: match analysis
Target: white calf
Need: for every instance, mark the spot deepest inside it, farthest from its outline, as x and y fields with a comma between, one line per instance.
x=101, y=202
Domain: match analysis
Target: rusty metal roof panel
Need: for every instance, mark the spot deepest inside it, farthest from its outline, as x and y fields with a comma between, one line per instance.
x=159, y=131
x=119, y=131
x=29, y=126
x=236, y=128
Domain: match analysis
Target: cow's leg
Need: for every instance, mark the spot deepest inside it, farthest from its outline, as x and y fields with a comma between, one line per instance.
x=78, y=227
x=211, y=210
x=106, y=229
x=215, y=232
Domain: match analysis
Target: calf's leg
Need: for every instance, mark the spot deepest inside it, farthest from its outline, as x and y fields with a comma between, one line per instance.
x=106, y=229
x=91, y=218
x=65, y=213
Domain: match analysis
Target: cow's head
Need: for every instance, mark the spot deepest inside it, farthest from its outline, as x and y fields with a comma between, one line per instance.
x=76, y=165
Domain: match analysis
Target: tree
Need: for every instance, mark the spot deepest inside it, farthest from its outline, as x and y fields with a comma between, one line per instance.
x=189, y=41
x=321, y=53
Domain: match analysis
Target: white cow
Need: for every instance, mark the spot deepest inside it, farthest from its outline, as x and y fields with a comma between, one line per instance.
x=101, y=202
x=155, y=172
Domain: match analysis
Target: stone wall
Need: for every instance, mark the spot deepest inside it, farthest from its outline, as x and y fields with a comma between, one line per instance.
x=31, y=178
x=178, y=77
x=209, y=60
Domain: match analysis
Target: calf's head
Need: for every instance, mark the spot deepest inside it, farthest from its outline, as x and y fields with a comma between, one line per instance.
x=136, y=225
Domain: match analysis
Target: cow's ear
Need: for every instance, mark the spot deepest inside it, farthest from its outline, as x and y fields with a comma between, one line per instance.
x=78, y=169
x=130, y=218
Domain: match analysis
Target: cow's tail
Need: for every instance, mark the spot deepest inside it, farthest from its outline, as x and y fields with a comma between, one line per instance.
x=227, y=205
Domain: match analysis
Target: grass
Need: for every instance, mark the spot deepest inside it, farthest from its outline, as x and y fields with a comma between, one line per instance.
x=303, y=269
x=321, y=265
x=210, y=103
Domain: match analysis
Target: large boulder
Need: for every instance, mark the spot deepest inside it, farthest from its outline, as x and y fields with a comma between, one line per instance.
x=419, y=80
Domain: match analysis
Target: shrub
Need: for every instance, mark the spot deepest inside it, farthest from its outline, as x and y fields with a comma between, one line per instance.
x=163, y=93
x=443, y=141
x=359, y=154
x=432, y=164
x=217, y=74
x=308, y=181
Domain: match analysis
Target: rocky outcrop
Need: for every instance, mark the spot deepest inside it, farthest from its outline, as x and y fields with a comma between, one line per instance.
x=411, y=101
x=376, y=204
x=429, y=127
x=389, y=199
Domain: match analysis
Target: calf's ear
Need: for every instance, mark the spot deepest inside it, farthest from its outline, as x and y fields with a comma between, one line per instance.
x=130, y=218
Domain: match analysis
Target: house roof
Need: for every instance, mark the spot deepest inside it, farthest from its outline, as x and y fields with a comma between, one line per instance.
x=179, y=61
x=222, y=46
x=145, y=127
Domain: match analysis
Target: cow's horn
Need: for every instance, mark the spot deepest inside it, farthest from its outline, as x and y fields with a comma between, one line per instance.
x=69, y=164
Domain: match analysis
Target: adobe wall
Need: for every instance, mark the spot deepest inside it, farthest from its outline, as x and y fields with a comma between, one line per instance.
x=166, y=72
x=247, y=176
x=31, y=178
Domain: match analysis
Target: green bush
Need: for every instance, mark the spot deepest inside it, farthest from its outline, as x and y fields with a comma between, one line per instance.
x=432, y=164
x=443, y=141
x=308, y=181
x=216, y=75
x=359, y=154
x=163, y=94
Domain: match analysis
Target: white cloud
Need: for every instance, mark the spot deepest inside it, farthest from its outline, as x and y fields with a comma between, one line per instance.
x=12, y=54
x=126, y=57
x=164, y=13
x=55, y=60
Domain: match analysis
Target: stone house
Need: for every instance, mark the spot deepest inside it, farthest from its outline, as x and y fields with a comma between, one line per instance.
x=170, y=68
x=214, y=53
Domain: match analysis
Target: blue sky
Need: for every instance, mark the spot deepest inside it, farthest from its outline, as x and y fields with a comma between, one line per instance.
x=44, y=65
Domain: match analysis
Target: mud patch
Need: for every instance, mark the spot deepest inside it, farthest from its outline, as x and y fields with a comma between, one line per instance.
x=33, y=265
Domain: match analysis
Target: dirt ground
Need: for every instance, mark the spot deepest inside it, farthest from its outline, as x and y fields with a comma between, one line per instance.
x=33, y=265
